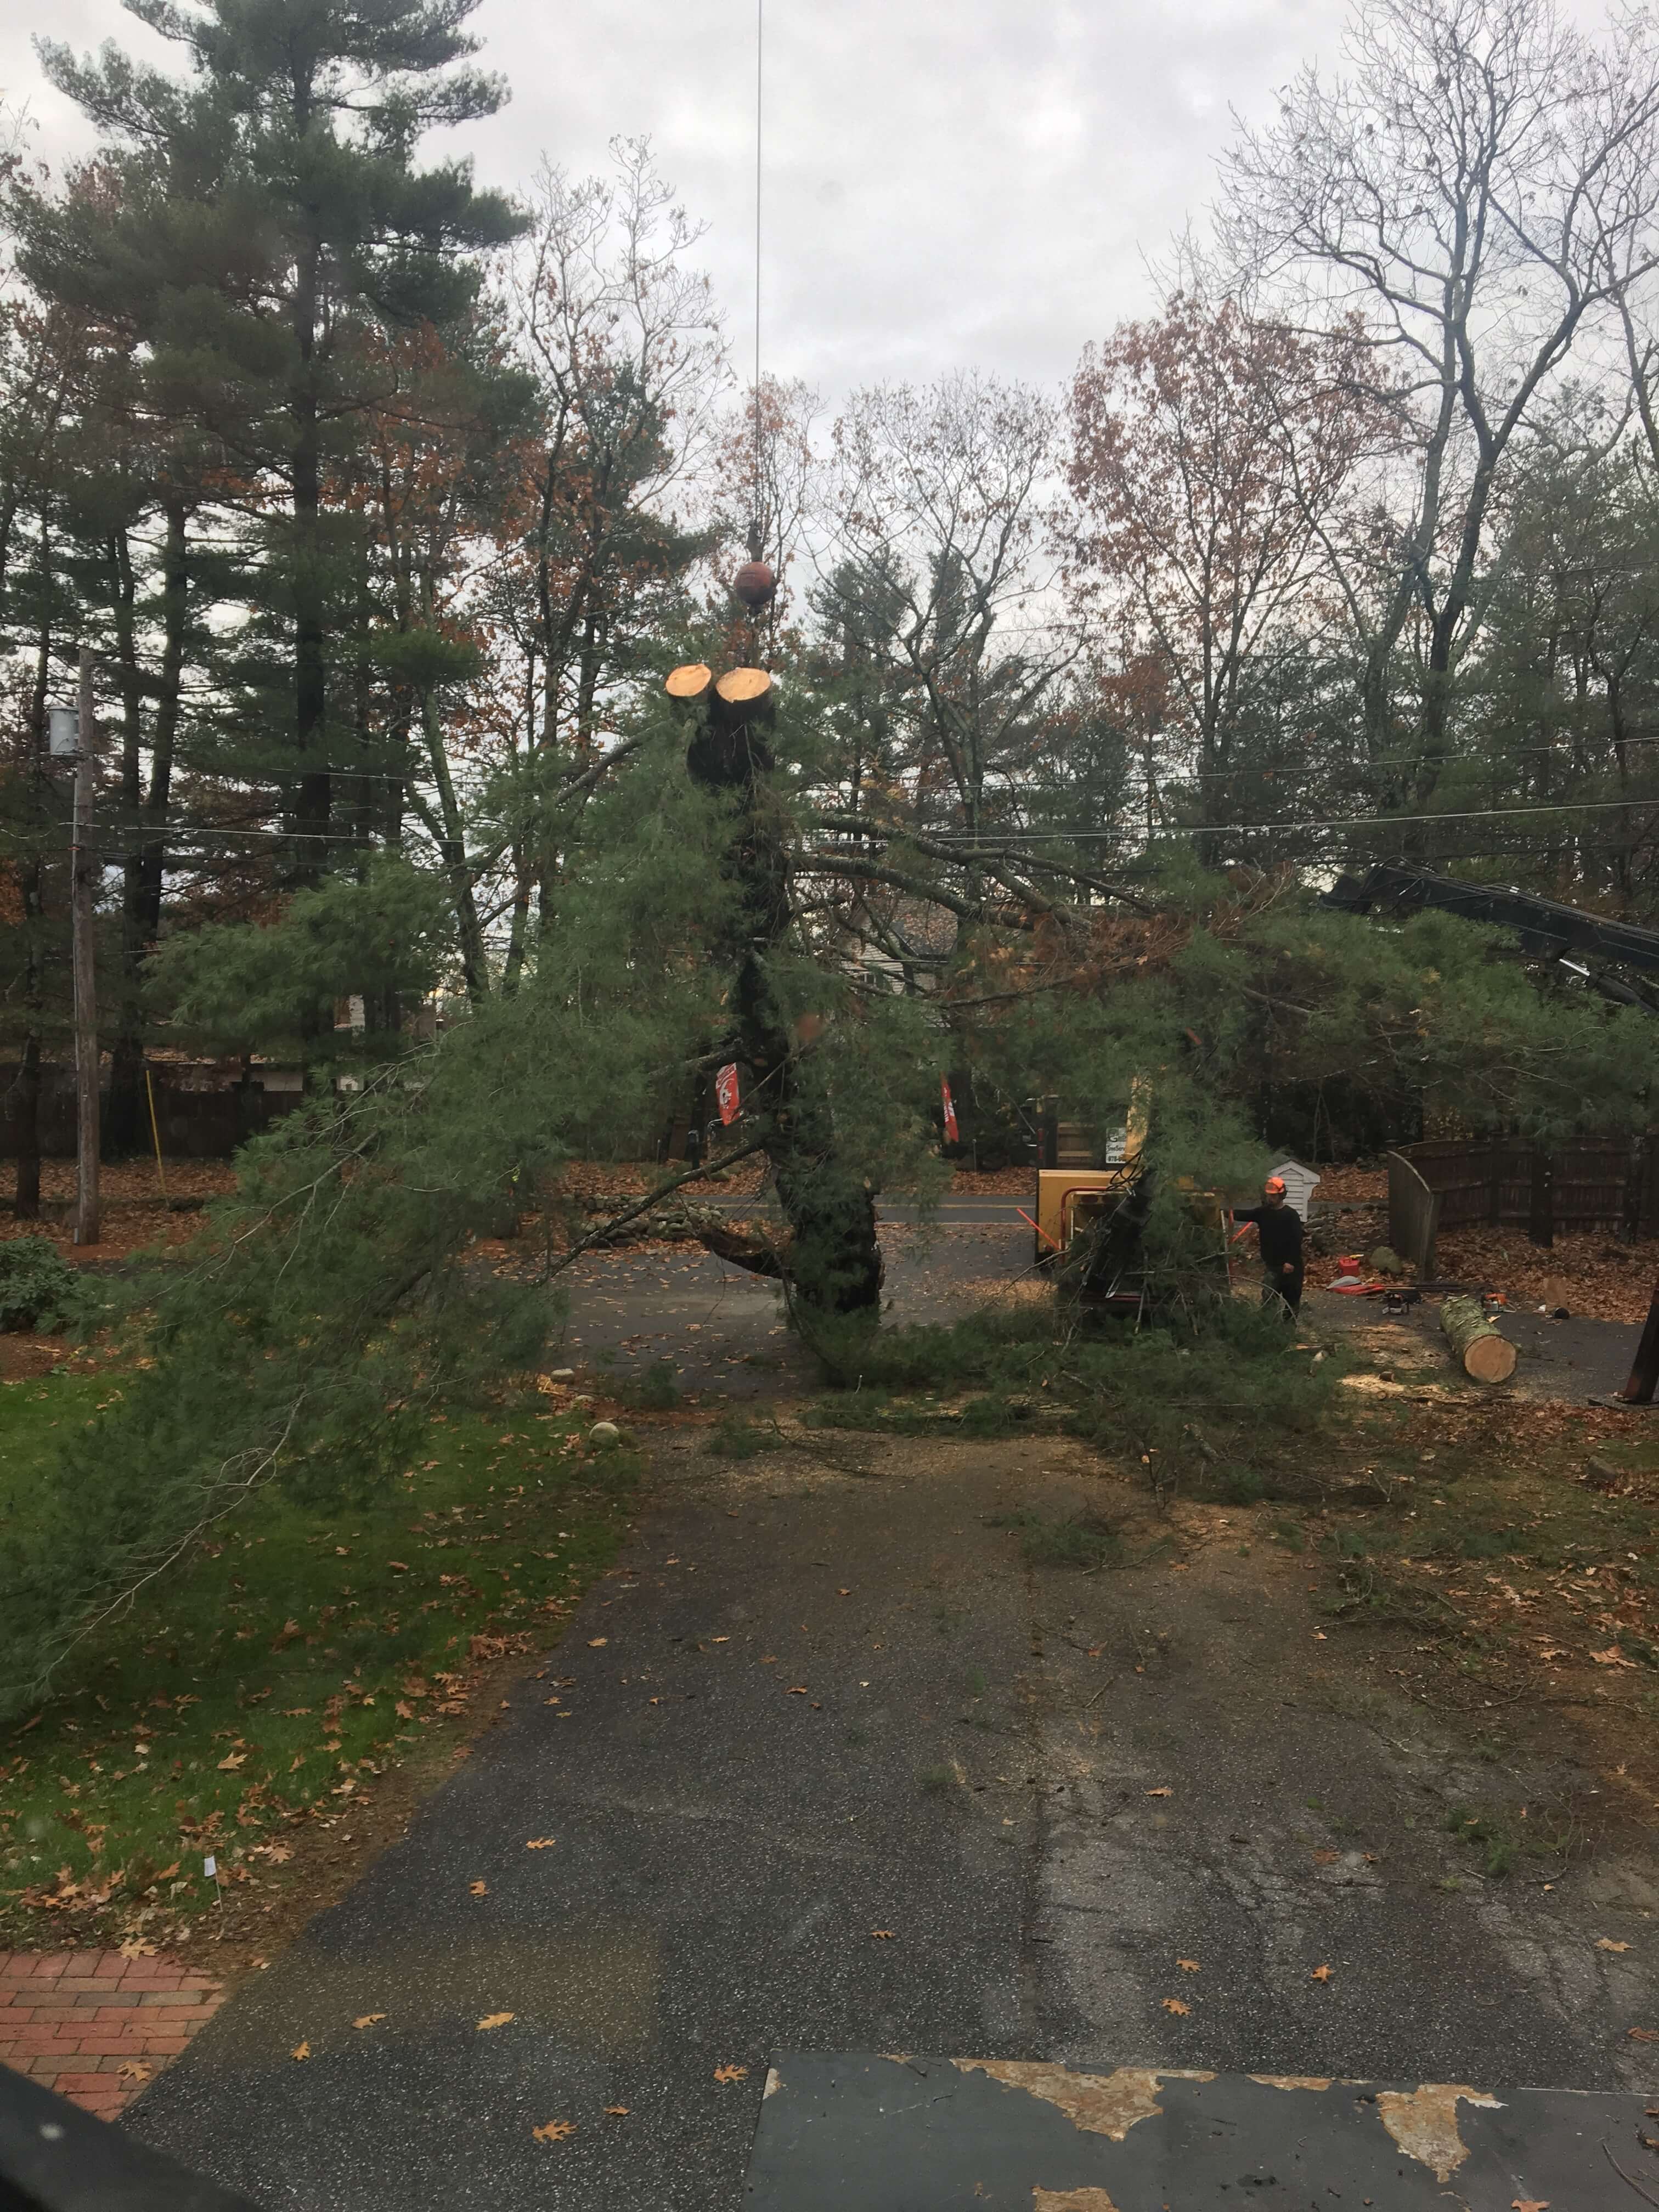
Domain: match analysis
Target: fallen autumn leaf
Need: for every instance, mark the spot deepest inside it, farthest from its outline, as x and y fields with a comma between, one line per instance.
x=883, y=1934
x=368, y=2020
x=554, y=2131
x=540, y=1842
x=497, y=2018
x=300, y=2050
x=1174, y=2004
x=1165, y=1791
x=1606, y=1943
x=1187, y=1966
x=1320, y=1974
x=730, y=2073
x=479, y=1888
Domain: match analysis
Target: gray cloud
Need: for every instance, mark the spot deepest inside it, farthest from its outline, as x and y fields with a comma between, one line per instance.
x=980, y=182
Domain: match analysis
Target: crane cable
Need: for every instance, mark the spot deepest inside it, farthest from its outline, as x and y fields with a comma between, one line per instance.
x=757, y=545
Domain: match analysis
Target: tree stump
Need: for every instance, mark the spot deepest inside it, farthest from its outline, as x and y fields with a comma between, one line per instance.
x=744, y=696
x=1482, y=1351
x=690, y=681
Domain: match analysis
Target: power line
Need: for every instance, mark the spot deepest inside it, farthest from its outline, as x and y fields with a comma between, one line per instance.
x=1251, y=828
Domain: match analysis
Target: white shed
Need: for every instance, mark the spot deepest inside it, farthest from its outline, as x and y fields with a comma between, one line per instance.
x=1300, y=1184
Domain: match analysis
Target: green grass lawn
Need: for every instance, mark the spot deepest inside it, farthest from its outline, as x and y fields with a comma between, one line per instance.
x=302, y=1655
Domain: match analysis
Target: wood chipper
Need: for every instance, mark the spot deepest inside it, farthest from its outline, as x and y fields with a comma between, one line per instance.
x=1090, y=1219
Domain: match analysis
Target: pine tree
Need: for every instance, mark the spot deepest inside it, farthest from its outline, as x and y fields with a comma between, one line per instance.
x=271, y=213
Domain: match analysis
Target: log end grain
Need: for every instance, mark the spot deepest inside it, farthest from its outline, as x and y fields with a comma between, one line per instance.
x=743, y=687
x=1490, y=1359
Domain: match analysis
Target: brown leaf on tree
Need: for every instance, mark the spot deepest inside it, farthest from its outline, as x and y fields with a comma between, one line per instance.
x=497, y=2018
x=300, y=2050
x=1320, y=1974
x=730, y=2073
x=554, y=2131
x=1174, y=2004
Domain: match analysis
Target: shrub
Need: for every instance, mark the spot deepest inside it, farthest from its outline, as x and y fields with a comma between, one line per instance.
x=39, y=1288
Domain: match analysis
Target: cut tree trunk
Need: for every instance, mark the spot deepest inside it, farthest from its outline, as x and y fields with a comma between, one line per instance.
x=831, y=1262
x=1482, y=1351
x=691, y=682
x=743, y=695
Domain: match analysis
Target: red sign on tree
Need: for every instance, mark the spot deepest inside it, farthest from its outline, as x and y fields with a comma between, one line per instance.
x=951, y=1136
x=725, y=1093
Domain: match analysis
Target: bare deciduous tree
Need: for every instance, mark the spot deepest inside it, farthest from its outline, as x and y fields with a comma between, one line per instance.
x=1482, y=188
x=1209, y=448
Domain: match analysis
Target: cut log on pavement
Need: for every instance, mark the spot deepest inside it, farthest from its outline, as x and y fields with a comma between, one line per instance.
x=690, y=683
x=1482, y=1351
x=744, y=694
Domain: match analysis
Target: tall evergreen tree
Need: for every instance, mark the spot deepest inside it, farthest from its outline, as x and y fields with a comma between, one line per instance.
x=271, y=212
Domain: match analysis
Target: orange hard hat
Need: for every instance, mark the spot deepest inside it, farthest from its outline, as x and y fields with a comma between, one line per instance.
x=1274, y=1183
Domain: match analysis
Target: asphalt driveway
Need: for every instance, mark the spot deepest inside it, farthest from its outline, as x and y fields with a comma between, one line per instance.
x=824, y=1766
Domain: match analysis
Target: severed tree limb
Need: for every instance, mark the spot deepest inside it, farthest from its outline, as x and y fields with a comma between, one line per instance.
x=617, y=1221
x=939, y=848
x=870, y=871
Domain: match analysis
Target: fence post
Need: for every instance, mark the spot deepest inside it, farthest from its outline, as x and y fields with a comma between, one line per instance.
x=1540, y=1225
x=1048, y=1134
x=1494, y=1181
x=1413, y=1214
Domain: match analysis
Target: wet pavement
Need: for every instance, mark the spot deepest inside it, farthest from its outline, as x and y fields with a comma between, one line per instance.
x=723, y=1329
x=823, y=1767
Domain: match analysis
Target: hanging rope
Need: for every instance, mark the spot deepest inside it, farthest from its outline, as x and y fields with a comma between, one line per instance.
x=756, y=541
x=754, y=584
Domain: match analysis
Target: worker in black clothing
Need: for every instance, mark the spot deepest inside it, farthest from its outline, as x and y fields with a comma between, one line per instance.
x=1278, y=1230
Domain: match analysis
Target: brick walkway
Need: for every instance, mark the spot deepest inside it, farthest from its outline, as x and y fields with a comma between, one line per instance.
x=95, y=2026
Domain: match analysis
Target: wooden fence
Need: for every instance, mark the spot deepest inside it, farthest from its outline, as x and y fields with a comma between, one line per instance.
x=194, y=1123
x=1609, y=1184
x=1413, y=1214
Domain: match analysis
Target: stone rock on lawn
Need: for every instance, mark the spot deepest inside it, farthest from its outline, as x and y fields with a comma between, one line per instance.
x=604, y=1434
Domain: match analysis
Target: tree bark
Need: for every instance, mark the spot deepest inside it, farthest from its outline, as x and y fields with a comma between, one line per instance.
x=313, y=793
x=832, y=1265
x=1480, y=1350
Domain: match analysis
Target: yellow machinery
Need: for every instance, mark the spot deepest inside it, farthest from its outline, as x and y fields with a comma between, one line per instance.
x=1069, y=1198
x=1108, y=1204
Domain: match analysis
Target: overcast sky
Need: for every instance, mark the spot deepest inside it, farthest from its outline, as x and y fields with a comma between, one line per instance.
x=948, y=182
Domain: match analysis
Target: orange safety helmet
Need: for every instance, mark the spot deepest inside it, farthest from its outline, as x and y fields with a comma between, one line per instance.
x=1274, y=1185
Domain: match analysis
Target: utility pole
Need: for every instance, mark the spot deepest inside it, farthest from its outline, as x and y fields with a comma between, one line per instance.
x=84, y=879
